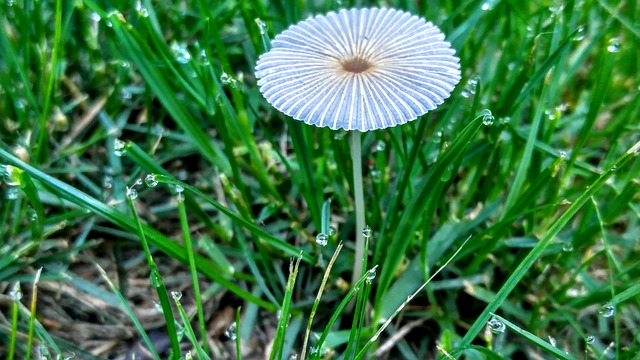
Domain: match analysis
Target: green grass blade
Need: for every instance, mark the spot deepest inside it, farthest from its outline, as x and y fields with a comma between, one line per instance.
x=537, y=251
x=125, y=305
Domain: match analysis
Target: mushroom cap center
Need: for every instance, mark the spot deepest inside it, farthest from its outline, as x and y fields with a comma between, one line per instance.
x=356, y=65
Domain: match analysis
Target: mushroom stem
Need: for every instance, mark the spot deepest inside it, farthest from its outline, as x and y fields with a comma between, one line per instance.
x=356, y=159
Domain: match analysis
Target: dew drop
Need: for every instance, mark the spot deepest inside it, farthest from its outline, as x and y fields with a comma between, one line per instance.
x=230, y=333
x=563, y=154
x=614, y=45
x=567, y=247
x=11, y=175
x=15, y=293
x=179, y=189
x=579, y=36
x=228, y=80
x=322, y=239
x=158, y=307
x=607, y=310
x=381, y=145
x=94, y=17
x=590, y=339
x=488, y=119
x=142, y=11
x=155, y=280
x=132, y=193
x=176, y=295
x=11, y=193
x=486, y=6
x=151, y=181
x=31, y=214
x=614, y=168
x=332, y=231
x=262, y=26
x=313, y=351
x=376, y=175
x=181, y=53
x=496, y=326
x=366, y=232
x=119, y=147
x=371, y=275
x=204, y=60
x=107, y=182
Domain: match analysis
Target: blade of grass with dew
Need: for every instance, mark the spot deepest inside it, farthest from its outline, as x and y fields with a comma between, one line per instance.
x=536, y=252
x=187, y=327
x=541, y=344
x=338, y=311
x=285, y=311
x=129, y=311
x=194, y=272
x=156, y=239
x=611, y=264
x=408, y=222
x=316, y=302
x=374, y=339
x=156, y=282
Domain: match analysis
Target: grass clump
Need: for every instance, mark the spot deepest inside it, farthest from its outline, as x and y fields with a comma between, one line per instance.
x=533, y=161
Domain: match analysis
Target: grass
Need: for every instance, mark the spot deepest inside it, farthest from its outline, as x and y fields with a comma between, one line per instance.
x=533, y=161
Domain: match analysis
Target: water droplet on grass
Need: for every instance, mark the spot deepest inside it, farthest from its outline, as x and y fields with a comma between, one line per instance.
x=486, y=6
x=94, y=17
x=155, y=280
x=332, y=231
x=496, y=326
x=203, y=58
x=590, y=339
x=614, y=45
x=230, y=333
x=107, y=182
x=376, y=175
x=567, y=247
x=11, y=175
x=15, y=293
x=181, y=53
x=322, y=239
x=158, y=307
x=579, y=36
x=142, y=11
x=132, y=193
x=11, y=193
x=488, y=119
x=607, y=310
x=176, y=295
x=381, y=145
x=371, y=275
x=119, y=147
x=262, y=26
x=366, y=232
x=151, y=181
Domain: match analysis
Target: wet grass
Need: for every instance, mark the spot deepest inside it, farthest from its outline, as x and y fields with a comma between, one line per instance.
x=153, y=200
